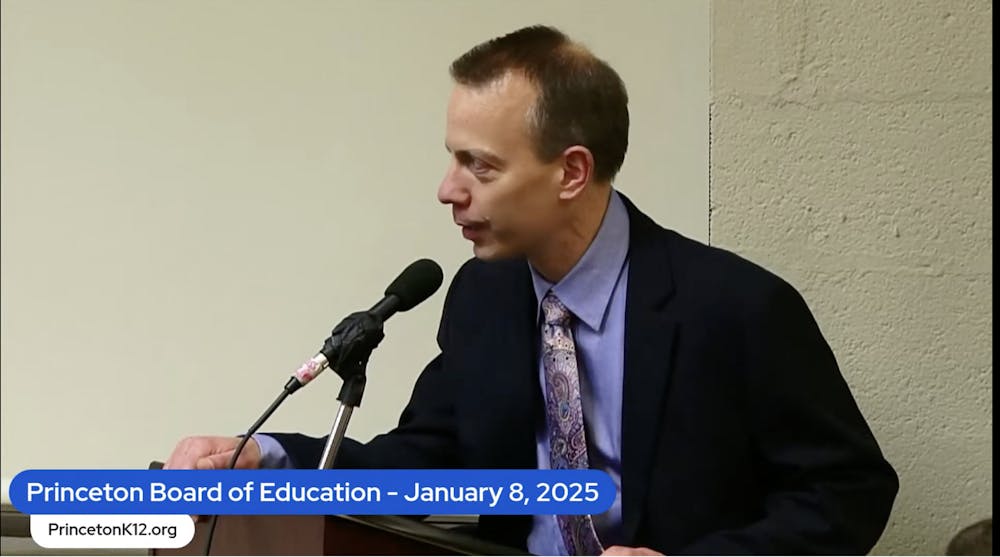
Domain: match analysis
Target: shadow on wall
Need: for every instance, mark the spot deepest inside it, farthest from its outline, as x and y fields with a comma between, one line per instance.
x=973, y=540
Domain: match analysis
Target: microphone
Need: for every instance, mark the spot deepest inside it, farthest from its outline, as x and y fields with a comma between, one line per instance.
x=350, y=343
x=414, y=285
x=363, y=330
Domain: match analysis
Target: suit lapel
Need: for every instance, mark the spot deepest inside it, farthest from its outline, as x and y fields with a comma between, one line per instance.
x=524, y=364
x=513, y=395
x=511, y=379
x=649, y=343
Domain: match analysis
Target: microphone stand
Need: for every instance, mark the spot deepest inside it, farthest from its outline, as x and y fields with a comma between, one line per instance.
x=362, y=335
x=350, y=398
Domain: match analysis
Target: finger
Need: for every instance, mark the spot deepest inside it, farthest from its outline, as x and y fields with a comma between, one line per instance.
x=181, y=462
x=616, y=550
x=217, y=461
x=183, y=457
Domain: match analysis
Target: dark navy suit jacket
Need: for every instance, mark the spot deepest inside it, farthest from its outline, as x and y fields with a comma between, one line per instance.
x=739, y=434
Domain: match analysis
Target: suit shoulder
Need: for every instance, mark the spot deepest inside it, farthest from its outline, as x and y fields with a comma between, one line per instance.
x=716, y=274
x=499, y=279
x=486, y=272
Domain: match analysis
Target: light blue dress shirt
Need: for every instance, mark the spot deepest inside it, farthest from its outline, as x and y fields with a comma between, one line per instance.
x=594, y=291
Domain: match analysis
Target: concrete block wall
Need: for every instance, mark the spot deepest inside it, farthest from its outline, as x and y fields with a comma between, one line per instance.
x=851, y=152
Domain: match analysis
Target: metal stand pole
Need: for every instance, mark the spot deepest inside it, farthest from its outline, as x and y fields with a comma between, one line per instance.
x=350, y=398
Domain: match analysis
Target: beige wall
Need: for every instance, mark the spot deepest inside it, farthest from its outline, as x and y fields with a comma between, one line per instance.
x=194, y=193
x=851, y=153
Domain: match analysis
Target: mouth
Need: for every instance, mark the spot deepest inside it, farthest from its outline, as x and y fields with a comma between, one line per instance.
x=471, y=231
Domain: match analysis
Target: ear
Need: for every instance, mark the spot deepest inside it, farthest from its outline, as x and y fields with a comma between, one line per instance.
x=577, y=169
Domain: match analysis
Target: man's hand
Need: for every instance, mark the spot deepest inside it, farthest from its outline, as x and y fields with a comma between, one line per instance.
x=622, y=550
x=212, y=453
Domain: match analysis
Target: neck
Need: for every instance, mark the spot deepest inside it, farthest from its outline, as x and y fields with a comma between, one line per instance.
x=566, y=246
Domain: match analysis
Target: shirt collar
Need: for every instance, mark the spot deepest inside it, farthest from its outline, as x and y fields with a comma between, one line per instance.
x=586, y=290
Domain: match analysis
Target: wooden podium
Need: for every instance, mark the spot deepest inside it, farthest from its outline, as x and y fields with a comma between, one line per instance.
x=299, y=535
x=335, y=535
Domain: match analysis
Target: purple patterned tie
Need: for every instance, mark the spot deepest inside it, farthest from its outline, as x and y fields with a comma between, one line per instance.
x=567, y=440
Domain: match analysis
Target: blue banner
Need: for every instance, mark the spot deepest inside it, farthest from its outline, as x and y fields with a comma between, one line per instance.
x=318, y=492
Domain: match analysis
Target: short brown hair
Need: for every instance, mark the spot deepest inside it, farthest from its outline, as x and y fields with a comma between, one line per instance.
x=581, y=99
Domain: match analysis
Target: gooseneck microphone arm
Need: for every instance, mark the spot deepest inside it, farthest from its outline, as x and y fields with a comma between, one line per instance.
x=236, y=455
x=347, y=350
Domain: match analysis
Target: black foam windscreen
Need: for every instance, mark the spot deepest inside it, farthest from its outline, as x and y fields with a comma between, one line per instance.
x=416, y=283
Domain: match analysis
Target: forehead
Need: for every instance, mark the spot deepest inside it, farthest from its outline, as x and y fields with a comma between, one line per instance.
x=496, y=113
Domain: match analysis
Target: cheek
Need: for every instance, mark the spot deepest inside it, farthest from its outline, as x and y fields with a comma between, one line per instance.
x=518, y=213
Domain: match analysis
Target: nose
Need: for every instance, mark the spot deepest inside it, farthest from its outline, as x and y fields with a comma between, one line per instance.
x=452, y=191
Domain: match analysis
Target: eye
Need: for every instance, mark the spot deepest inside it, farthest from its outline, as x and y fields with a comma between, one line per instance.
x=477, y=166
x=481, y=169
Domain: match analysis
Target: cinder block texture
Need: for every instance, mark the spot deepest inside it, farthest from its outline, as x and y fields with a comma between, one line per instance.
x=851, y=152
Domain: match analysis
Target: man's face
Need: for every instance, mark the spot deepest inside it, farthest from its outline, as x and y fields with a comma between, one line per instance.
x=503, y=197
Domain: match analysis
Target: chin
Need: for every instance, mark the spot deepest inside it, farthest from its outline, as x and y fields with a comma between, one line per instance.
x=494, y=252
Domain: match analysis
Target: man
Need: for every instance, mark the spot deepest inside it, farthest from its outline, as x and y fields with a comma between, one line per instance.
x=697, y=380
